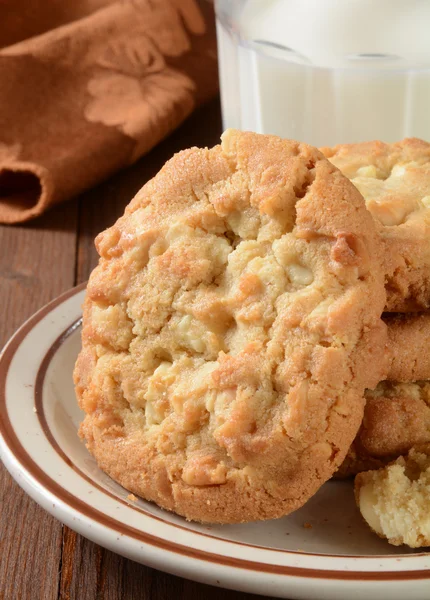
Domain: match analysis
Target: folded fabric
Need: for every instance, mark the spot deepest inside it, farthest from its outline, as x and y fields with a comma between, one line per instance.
x=97, y=85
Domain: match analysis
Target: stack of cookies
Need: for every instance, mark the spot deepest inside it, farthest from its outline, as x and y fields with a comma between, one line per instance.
x=395, y=182
x=240, y=311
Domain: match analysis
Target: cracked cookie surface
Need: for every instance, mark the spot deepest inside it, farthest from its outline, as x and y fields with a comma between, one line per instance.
x=230, y=329
x=395, y=182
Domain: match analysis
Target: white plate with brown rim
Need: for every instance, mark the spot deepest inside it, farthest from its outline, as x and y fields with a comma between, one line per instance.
x=323, y=550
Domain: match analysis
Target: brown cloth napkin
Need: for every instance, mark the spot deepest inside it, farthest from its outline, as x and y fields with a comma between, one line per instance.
x=89, y=86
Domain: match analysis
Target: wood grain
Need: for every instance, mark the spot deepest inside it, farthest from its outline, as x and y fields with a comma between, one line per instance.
x=36, y=264
x=40, y=558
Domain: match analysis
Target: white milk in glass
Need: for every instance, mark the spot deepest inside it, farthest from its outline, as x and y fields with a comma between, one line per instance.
x=326, y=71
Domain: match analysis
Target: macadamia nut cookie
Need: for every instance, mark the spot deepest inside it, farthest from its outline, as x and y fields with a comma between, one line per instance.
x=397, y=412
x=395, y=182
x=395, y=500
x=230, y=329
x=409, y=343
x=396, y=418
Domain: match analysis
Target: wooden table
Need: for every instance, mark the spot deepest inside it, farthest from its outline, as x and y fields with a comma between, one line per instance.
x=41, y=559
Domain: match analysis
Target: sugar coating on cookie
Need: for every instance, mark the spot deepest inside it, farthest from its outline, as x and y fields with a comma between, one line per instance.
x=230, y=329
x=395, y=500
x=409, y=342
x=396, y=418
x=395, y=182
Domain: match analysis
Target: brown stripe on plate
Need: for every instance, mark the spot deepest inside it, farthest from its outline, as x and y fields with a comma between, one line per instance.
x=40, y=411
x=28, y=464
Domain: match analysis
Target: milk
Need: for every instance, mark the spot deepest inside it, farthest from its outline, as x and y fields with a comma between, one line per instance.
x=326, y=71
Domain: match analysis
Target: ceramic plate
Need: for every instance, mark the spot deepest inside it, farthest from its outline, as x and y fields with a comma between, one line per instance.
x=323, y=550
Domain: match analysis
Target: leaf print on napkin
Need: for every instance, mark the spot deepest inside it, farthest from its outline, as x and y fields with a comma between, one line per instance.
x=168, y=23
x=136, y=91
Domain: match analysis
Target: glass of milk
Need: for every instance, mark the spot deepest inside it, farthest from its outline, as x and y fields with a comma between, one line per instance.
x=326, y=71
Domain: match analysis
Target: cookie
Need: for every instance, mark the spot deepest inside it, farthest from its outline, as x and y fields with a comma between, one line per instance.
x=230, y=329
x=396, y=418
x=397, y=412
x=395, y=182
x=409, y=342
x=395, y=500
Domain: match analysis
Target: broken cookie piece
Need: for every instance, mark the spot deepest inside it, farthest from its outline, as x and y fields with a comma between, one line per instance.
x=395, y=500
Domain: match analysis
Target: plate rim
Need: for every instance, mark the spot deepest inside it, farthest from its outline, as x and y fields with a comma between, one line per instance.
x=13, y=450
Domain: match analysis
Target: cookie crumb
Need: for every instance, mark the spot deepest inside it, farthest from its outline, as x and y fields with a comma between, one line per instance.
x=34, y=409
x=132, y=498
x=307, y=525
x=394, y=500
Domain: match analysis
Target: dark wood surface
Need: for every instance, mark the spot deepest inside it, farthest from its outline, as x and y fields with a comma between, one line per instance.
x=39, y=557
